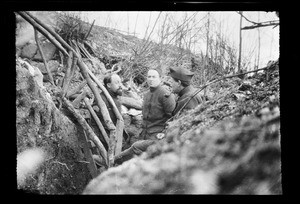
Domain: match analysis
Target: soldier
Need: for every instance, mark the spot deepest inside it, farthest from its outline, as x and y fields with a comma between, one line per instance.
x=181, y=85
x=158, y=106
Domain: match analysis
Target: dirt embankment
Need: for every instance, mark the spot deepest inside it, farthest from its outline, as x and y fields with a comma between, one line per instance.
x=41, y=125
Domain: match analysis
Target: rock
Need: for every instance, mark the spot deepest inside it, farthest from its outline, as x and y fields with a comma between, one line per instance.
x=28, y=51
x=48, y=50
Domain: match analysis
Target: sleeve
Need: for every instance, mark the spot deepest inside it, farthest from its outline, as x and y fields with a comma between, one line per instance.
x=169, y=104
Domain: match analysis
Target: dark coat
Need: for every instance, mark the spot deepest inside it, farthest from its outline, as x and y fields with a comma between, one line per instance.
x=183, y=96
x=157, y=109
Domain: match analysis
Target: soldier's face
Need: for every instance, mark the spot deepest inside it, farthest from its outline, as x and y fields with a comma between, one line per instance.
x=153, y=78
x=115, y=85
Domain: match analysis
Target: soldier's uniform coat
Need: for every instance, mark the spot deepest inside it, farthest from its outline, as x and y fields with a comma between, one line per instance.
x=183, y=96
x=158, y=106
x=185, y=76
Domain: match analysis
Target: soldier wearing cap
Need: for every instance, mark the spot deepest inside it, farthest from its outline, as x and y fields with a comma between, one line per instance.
x=181, y=85
x=158, y=107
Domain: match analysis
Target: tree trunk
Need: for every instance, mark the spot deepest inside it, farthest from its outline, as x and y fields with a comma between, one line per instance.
x=258, y=54
x=240, y=43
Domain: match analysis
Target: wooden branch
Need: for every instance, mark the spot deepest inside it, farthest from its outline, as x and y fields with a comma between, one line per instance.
x=43, y=56
x=87, y=128
x=67, y=76
x=259, y=25
x=98, y=122
x=100, y=102
x=87, y=54
x=103, y=109
x=78, y=99
x=88, y=33
x=76, y=89
x=43, y=31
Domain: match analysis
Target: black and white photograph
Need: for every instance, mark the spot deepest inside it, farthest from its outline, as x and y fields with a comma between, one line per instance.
x=148, y=102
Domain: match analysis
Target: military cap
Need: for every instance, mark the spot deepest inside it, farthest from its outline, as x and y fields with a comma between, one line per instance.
x=181, y=74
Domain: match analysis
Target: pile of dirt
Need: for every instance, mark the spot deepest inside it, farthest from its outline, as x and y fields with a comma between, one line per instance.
x=228, y=145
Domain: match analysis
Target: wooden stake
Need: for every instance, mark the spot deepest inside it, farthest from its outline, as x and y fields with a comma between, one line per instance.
x=98, y=122
x=43, y=56
x=86, y=128
x=67, y=77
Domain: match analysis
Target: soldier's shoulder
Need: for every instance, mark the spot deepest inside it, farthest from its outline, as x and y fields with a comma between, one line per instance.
x=165, y=92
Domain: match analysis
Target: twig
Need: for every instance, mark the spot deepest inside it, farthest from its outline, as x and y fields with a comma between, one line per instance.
x=88, y=33
x=98, y=122
x=83, y=162
x=261, y=25
x=64, y=164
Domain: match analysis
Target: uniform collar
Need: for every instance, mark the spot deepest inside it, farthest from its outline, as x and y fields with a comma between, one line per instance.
x=152, y=89
x=185, y=90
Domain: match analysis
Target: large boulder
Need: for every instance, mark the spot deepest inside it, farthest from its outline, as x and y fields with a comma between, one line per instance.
x=41, y=125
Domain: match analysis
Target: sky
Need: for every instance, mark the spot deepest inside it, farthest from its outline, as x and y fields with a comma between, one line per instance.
x=136, y=22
